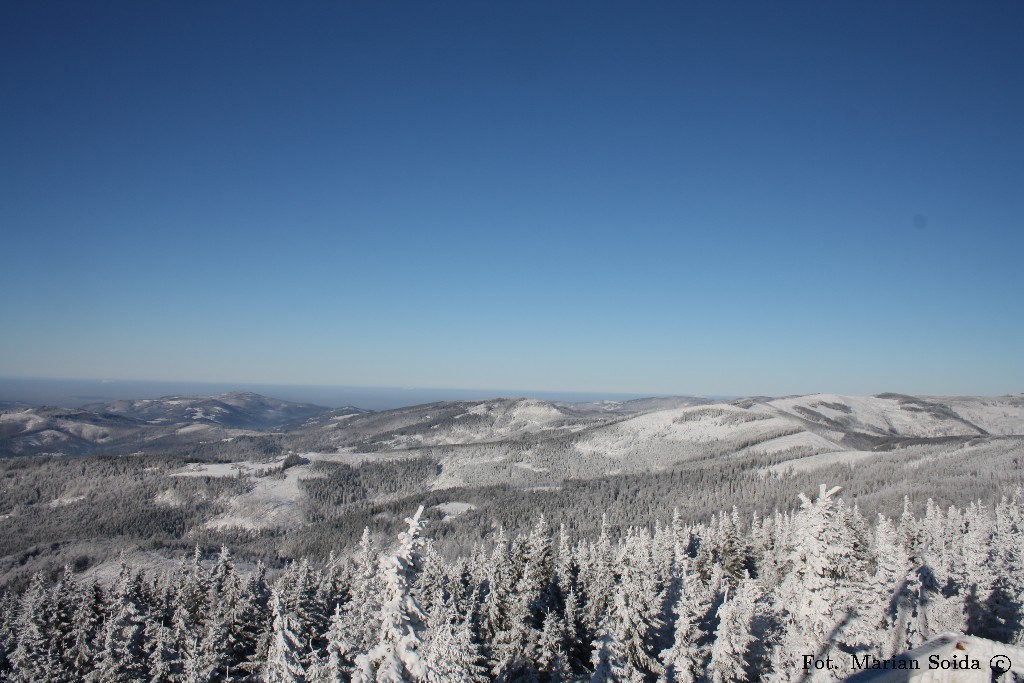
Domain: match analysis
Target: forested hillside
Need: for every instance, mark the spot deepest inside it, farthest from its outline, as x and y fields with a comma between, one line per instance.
x=642, y=580
x=310, y=484
x=739, y=598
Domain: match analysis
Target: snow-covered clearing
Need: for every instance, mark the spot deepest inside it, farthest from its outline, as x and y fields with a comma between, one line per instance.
x=821, y=460
x=714, y=423
x=65, y=500
x=454, y=509
x=801, y=440
x=193, y=428
x=272, y=500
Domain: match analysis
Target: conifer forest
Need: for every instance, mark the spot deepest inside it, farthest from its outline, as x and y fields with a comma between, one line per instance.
x=732, y=599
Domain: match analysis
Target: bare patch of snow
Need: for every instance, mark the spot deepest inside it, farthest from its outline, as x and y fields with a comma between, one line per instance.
x=169, y=498
x=454, y=509
x=66, y=500
x=191, y=429
x=813, y=462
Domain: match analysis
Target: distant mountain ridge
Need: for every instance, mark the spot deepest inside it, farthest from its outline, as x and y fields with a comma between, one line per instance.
x=235, y=410
x=131, y=426
x=645, y=432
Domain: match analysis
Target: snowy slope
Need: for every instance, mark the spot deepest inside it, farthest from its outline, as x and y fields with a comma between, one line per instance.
x=997, y=415
x=31, y=431
x=444, y=423
x=886, y=415
x=695, y=431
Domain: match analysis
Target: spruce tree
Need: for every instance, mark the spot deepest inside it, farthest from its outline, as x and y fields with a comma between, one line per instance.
x=361, y=613
x=123, y=655
x=812, y=596
x=733, y=637
x=397, y=656
x=31, y=658
x=683, y=662
x=287, y=650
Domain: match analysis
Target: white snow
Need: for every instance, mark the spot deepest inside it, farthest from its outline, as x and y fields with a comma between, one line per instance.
x=169, y=498
x=270, y=501
x=454, y=509
x=533, y=468
x=870, y=414
x=1002, y=415
x=193, y=428
x=273, y=500
x=812, y=462
x=85, y=431
x=703, y=425
x=27, y=420
x=801, y=440
x=220, y=469
x=65, y=500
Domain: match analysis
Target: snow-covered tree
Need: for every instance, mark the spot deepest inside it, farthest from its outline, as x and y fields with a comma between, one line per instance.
x=287, y=649
x=87, y=621
x=813, y=597
x=683, y=662
x=162, y=656
x=451, y=655
x=397, y=656
x=552, y=659
x=361, y=614
x=334, y=668
x=624, y=649
x=123, y=656
x=733, y=636
x=597, y=580
x=31, y=659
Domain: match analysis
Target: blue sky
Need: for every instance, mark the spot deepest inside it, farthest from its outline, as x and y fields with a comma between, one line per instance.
x=662, y=197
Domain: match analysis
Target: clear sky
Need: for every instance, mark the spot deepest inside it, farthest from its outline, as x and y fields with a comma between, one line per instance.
x=656, y=197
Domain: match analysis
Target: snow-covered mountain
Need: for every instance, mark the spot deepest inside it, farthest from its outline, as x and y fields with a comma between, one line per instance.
x=311, y=476
x=234, y=410
x=534, y=443
x=139, y=426
x=589, y=439
x=443, y=423
x=27, y=431
x=633, y=406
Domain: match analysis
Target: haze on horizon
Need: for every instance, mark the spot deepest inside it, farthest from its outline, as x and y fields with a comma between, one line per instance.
x=581, y=197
